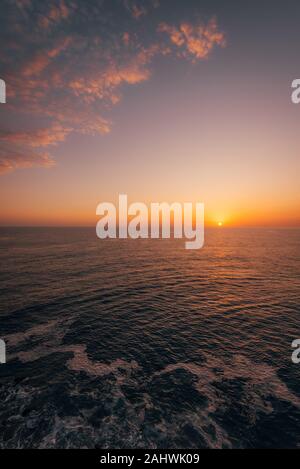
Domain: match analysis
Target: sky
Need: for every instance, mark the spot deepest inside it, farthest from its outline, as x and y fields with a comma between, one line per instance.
x=163, y=100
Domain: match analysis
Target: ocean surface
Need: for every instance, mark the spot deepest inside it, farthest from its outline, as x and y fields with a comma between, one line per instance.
x=143, y=344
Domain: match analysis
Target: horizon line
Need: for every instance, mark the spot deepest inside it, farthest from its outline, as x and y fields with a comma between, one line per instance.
x=206, y=227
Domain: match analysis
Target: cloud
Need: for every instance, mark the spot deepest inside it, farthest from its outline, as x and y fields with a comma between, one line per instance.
x=197, y=41
x=19, y=149
x=103, y=85
x=57, y=13
x=66, y=64
x=37, y=138
x=14, y=156
x=138, y=9
x=41, y=60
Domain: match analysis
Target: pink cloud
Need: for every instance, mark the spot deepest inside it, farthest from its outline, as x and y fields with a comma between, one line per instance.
x=56, y=14
x=195, y=41
x=14, y=157
x=36, y=138
x=72, y=80
x=103, y=85
x=137, y=9
x=21, y=149
x=43, y=58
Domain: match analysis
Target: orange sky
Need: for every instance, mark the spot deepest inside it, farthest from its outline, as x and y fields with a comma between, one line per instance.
x=161, y=106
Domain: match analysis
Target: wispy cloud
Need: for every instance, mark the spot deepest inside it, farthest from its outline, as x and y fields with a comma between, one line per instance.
x=23, y=149
x=67, y=62
x=41, y=60
x=36, y=138
x=138, y=9
x=194, y=41
x=56, y=13
x=14, y=156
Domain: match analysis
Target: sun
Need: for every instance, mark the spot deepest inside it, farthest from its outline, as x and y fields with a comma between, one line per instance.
x=220, y=223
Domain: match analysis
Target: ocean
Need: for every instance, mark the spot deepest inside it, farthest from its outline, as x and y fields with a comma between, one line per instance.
x=143, y=344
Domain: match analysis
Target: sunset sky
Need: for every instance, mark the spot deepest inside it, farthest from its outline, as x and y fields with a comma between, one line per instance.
x=164, y=100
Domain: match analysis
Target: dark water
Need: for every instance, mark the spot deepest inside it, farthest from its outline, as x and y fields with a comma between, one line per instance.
x=144, y=344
